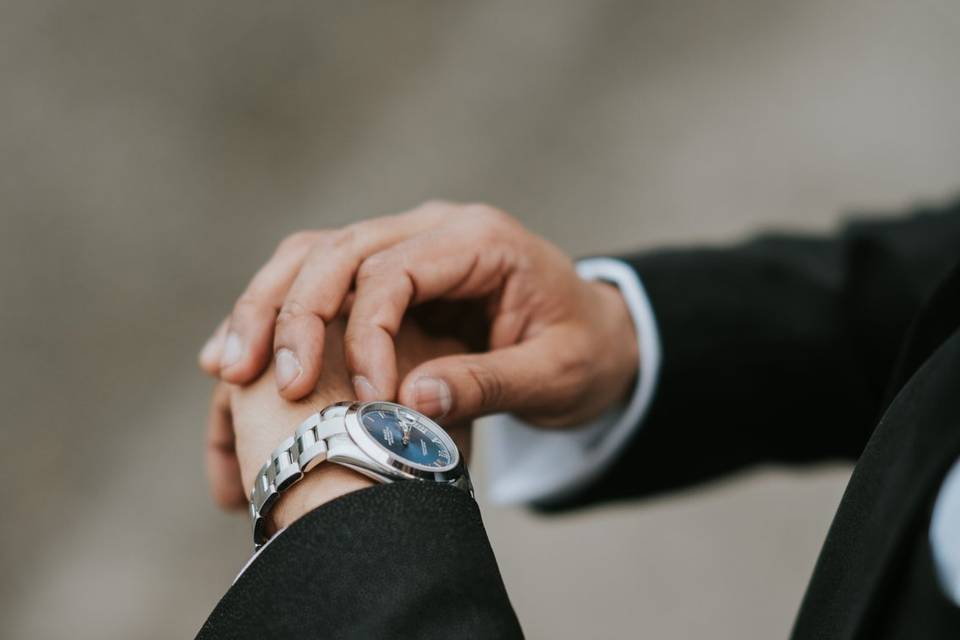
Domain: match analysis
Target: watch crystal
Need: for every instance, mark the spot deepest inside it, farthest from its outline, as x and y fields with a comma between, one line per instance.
x=409, y=436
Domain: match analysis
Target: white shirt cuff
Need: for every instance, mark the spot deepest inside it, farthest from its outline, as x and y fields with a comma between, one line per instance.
x=526, y=464
x=945, y=534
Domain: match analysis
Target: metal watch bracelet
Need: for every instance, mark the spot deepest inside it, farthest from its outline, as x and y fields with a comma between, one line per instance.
x=294, y=456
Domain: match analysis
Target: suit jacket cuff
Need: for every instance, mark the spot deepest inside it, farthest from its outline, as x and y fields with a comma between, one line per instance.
x=402, y=560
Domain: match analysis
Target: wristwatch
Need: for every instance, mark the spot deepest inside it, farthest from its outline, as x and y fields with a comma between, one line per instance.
x=382, y=440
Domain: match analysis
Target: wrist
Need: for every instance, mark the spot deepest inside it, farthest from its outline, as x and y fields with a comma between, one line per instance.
x=322, y=484
x=623, y=346
x=262, y=420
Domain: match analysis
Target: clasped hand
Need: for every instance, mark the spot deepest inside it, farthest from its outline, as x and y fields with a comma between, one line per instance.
x=543, y=343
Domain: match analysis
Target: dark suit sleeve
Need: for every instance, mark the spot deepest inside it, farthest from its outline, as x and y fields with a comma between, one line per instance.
x=779, y=349
x=404, y=560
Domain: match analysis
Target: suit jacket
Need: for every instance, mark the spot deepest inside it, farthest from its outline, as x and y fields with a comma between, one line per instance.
x=788, y=349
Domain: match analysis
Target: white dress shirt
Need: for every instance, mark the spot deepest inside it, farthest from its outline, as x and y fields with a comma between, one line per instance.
x=527, y=464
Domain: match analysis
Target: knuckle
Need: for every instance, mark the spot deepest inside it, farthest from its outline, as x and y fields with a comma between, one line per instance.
x=574, y=361
x=574, y=369
x=360, y=348
x=489, y=223
x=345, y=238
x=375, y=265
x=291, y=310
x=297, y=241
x=353, y=341
x=489, y=387
x=248, y=302
x=486, y=213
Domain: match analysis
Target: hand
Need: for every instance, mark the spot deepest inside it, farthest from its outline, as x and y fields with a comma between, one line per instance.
x=558, y=350
x=247, y=423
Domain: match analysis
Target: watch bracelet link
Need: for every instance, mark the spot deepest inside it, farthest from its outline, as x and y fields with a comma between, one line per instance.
x=289, y=461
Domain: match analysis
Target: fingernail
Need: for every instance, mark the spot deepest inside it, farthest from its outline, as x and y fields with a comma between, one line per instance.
x=211, y=349
x=433, y=397
x=364, y=390
x=288, y=367
x=232, y=350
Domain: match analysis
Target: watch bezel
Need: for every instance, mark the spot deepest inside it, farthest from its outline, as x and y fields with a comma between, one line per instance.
x=385, y=458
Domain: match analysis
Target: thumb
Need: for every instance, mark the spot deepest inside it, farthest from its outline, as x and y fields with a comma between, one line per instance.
x=518, y=378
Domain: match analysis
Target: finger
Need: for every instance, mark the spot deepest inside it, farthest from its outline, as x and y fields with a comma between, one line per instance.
x=246, y=351
x=322, y=287
x=209, y=358
x=455, y=262
x=525, y=378
x=223, y=469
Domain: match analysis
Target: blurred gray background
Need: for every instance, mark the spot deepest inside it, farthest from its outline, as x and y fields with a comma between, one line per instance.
x=153, y=153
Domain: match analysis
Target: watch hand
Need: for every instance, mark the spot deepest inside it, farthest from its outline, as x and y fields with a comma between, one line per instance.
x=405, y=425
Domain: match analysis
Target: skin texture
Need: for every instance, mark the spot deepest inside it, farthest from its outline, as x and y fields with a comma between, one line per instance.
x=546, y=345
x=246, y=423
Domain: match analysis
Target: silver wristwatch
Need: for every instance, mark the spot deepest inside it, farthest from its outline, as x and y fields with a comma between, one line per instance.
x=383, y=440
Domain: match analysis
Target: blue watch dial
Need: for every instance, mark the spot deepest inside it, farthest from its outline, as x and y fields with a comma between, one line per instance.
x=410, y=436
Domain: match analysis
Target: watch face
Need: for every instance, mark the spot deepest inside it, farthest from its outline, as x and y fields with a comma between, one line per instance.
x=409, y=436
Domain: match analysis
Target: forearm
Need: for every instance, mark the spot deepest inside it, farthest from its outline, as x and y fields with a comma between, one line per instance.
x=777, y=349
x=785, y=344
